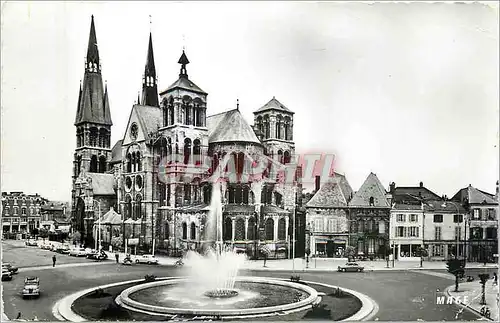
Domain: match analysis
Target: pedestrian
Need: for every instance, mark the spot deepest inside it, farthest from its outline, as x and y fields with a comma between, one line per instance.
x=117, y=257
x=53, y=260
x=495, y=279
x=18, y=316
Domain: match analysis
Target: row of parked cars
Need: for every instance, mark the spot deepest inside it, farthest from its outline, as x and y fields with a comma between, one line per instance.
x=8, y=270
x=65, y=248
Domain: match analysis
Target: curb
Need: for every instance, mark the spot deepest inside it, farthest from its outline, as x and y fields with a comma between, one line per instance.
x=63, y=312
x=471, y=309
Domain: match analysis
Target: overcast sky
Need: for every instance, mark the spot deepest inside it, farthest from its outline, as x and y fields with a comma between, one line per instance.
x=409, y=92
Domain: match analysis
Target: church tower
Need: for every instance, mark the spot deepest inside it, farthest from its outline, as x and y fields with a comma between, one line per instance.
x=274, y=125
x=149, y=81
x=93, y=117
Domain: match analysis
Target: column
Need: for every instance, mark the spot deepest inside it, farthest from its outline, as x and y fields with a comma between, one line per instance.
x=287, y=220
x=275, y=222
x=246, y=227
x=233, y=229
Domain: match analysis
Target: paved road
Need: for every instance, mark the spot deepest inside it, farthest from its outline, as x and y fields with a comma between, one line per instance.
x=401, y=295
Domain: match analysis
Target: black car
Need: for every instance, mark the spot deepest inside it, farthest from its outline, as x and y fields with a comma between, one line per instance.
x=97, y=255
x=6, y=274
x=10, y=267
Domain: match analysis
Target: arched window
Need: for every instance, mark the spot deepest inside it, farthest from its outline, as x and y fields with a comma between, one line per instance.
x=128, y=207
x=278, y=198
x=102, y=137
x=187, y=193
x=169, y=146
x=269, y=228
x=286, y=157
x=187, y=150
x=171, y=112
x=252, y=229
x=207, y=193
x=93, y=137
x=231, y=194
x=138, y=207
x=162, y=192
x=102, y=164
x=93, y=164
x=239, y=230
x=134, y=164
x=78, y=165
x=238, y=198
x=228, y=229
x=197, y=152
x=281, y=229
x=166, y=234
x=280, y=156
x=245, y=195
x=193, y=231
x=138, y=160
x=371, y=201
x=184, y=230
x=129, y=163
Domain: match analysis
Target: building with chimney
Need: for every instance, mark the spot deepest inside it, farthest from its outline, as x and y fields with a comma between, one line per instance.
x=21, y=213
x=159, y=176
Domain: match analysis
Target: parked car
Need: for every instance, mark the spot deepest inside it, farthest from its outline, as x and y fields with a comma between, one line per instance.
x=10, y=267
x=146, y=259
x=78, y=252
x=351, y=266
x=31, y=287
x=97, y=255
x=31, y=243
x=6, y=274
x=64, y=248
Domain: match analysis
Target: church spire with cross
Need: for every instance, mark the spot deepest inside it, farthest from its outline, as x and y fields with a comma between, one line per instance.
x=92, y=60
x=183, y=60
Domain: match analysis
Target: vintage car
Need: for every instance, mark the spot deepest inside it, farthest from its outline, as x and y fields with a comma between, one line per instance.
x=350, y=266
x=31, y=243
x=6, y=274
x=31, y=287
x=146, y=259
x=97, y=255
x=9, y=267
x=78, y=252
x=64, y=248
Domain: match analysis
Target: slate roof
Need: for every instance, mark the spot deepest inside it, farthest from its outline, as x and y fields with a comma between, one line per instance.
x=116, y=152
x=195, y=208
x=186, y=84
x=370, y=188
x=333, y=193
x=268, y=209
x=230, y=126
x=402, y=193
x=474, y=196
x=150, y=118
x=274, y=104
x=93, y=103
x=237, y=208
x=102, y=184
x=111, y=217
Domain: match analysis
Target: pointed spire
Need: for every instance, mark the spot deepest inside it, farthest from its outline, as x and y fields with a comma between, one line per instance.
x=149, y=86
x=238, y=104
x=183, y=61
x=92, y=62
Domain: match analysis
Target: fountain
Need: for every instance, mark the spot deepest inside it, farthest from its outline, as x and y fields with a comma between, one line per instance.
x=212, y=286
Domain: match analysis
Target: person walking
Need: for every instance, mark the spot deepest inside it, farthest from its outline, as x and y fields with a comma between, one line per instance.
x=117, y=257
x=53, y=260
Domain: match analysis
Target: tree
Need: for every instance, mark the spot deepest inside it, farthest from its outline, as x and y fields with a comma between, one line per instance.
x=43, y=233
x=484, y=278
x=456, y=268
x=76, y=237
x=350, y=252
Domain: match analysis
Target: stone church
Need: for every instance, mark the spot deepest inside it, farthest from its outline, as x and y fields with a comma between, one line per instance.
x=153, y=182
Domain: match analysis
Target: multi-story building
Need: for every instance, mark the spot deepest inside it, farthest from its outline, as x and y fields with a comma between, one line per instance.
x=444, y=229
x=21, y=213
x=369, y=212
x=326, y=217
x=482, y=223
x=159, y=176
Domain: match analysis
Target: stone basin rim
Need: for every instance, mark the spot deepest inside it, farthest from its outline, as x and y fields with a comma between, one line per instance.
x=132, y=304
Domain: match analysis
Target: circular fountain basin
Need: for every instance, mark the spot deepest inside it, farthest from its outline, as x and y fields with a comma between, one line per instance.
x=251, y=296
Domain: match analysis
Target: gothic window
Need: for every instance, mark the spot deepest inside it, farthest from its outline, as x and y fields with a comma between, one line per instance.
x=187, y=193
x=102, y=164
x=161, y=193
x=184, y=230
x=102, y=137
x=197, y=152
x=269, y=228
x=287, y=129
x=372, y=203
x=134, y=163
x=171, y=113
x=93, y=164
x=245, y=195
x=228, y=229
x=169, y=146
x=187, y=150
x=167, y=231
x=93, y=137
x=138, y=207
x=278, y=198
x=231, y=193
x=129, y=163
x=138, y=161
x=78, y=165
x=138, y=182
x=286, y=157
x=238, y=198
x=252, y=228
x=193, y=231
x=280, y=156
x=207, y=192
x=239, y=230
x=128, y=207
x=281, y=229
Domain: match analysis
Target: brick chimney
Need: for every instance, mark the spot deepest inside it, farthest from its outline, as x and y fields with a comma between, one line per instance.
x=392, y=188
x=317, y=183
x=421, y=184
